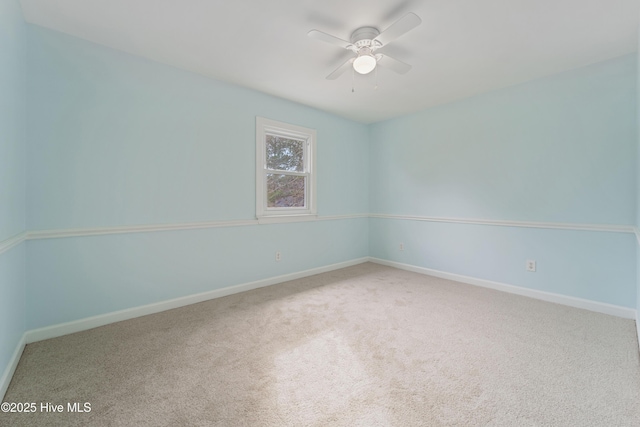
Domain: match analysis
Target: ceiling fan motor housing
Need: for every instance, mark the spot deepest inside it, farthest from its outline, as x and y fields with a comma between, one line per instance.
x=363, y=37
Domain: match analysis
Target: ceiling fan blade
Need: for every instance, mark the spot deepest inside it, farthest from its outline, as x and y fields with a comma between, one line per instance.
x=341, y=69
x=398, y=28
x=394, y=64
x=328, y=38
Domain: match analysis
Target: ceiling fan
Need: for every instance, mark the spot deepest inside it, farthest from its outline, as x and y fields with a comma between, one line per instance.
x=365, y=41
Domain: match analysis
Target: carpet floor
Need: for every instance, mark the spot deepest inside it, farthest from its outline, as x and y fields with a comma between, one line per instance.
x=367, y=345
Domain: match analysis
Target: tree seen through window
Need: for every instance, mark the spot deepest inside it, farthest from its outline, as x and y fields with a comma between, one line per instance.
x=285, y=155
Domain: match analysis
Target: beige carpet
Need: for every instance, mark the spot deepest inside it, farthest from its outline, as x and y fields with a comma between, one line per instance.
x=363, y=346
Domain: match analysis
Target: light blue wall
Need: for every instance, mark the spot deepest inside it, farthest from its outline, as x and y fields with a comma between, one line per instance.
x=115, y=139
x=74, y=278
x=12, y=119
x=12, y=302
x=12, y=176
x=118, y=140
x=559, y=149
x=590, y=265
x=637, y=193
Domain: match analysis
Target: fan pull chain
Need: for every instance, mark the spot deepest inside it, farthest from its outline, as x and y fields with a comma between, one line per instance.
x=353, y=79
x=376, y=86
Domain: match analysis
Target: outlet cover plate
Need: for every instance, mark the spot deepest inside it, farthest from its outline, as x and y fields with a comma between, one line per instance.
x=531, y=265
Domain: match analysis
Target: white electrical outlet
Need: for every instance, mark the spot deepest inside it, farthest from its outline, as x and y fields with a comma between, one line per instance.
x=402, y=246
x=278, y=256
x=531, y=265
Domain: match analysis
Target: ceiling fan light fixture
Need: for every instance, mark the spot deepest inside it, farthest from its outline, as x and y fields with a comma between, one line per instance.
x=365, y=62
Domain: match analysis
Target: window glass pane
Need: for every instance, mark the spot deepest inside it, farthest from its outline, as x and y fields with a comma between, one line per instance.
x=285, y=191
x=285, y=154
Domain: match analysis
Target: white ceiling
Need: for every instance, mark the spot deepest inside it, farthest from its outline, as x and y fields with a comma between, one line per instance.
x=462, y=47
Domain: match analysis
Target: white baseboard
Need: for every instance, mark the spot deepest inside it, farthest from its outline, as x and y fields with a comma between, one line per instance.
x=11, y=368
x=600, y=307
x=130, y=313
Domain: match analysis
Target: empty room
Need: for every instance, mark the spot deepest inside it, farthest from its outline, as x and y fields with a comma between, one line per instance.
x=319, y=213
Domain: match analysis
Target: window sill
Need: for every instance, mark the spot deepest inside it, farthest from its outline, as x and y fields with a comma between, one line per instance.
x=277, y=219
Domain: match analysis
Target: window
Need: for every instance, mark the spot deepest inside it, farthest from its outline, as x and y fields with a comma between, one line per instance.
x=285, y=169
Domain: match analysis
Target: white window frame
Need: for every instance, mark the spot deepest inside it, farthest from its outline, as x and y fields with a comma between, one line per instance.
x=266, y=127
